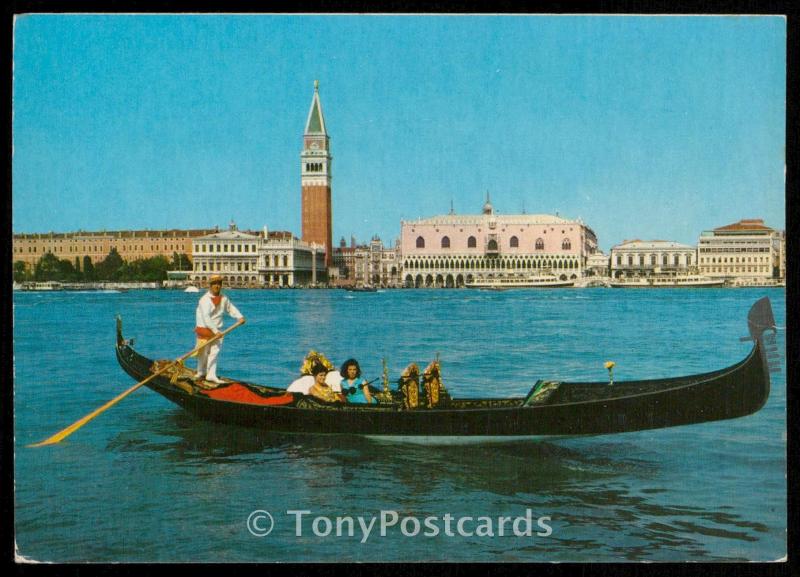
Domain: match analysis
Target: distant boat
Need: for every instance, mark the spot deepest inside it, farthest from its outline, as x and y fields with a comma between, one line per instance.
x=533, y=281
x=362, y=289
x=689, y=281
x=191, y=289
x=51, y=285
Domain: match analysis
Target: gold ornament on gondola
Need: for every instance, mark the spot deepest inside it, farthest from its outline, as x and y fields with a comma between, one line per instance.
x=409, y=386
x=610, y=366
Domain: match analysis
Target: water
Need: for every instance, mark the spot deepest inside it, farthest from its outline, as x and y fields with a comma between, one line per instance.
x=147, y=482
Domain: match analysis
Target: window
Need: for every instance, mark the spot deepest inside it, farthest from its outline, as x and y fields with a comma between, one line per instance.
x=665, y=260
x=514, y=242
x=619, y=260
x=492, y=245
x=539, y=244
x=676, y=260
x=471, y=242
x=652, y=260
x=445, y=242
x=420, y=242
x=566, y=244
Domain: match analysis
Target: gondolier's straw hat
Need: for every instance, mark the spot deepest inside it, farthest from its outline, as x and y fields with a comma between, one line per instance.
x=217, y=278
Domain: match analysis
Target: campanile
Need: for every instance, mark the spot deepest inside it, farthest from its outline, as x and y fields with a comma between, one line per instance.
x=315, y=179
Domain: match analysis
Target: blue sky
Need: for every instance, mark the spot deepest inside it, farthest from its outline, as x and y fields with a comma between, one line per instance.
x=644, y=127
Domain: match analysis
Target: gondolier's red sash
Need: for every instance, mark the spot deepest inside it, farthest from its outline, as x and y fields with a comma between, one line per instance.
x=238, y=393
x=203, y=332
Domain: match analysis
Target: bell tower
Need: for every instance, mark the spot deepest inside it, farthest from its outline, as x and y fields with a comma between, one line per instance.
x=315, y=178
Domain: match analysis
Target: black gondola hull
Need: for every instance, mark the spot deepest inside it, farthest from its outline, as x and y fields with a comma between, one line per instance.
x=578, y=409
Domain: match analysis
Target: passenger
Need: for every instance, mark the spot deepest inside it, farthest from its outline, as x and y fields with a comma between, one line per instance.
x=351, y=373
x=306, y=380
x=320, y=389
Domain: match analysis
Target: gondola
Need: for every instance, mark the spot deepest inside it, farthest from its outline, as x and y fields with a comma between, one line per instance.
x=551, y=408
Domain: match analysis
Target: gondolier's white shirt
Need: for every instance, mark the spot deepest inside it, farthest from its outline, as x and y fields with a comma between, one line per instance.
x=210, y=316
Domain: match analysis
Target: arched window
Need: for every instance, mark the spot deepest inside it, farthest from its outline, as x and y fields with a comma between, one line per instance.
x=514, y=242
x=420, y=242
x=445, y=242
x=471, y=242
x=539, y=244
x=566, y=244
x=492, y=245
x=652, y=260
x=665, y=260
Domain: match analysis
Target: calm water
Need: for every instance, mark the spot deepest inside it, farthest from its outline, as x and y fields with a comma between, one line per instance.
x=147, y=482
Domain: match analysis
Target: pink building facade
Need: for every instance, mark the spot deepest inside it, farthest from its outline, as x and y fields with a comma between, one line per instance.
x=455, y=250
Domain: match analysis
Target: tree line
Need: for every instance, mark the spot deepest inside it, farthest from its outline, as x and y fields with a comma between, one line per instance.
x=111, y=268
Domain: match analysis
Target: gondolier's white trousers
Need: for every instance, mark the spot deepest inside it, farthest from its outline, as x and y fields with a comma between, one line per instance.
x=207, y=361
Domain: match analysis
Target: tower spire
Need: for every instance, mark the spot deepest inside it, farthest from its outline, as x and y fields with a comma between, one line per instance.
x=315, y=124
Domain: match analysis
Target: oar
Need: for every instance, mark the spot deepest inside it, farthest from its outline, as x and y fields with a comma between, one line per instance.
x=61, y=435
x=367, y=383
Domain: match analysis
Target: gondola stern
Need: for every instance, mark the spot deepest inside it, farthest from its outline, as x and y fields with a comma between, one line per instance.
x=120, y=339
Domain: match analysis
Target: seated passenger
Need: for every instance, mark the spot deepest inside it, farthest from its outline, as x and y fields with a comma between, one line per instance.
x=304, y=383
x=320, y=389
x=352, y=379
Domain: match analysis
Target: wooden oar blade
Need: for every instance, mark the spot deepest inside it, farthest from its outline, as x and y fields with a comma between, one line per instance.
x=64, y=433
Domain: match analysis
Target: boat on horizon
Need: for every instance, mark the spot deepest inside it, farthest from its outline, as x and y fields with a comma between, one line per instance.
x=362, y=289
x=668, y=281
x=530, y=281
x=551, y=408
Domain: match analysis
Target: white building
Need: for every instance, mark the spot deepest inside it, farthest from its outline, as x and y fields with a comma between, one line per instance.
x=640, y=258
x=230, y=253
x=285, y=261
x=747, y=250
x=248, y=259
x=597, y=265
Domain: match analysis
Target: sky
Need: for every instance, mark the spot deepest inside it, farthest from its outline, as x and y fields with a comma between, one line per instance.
x=648, y=127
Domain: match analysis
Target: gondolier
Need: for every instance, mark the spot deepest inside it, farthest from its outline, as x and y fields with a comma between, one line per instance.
x=211, y=308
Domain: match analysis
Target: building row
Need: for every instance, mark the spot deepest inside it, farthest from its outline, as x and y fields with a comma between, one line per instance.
x=448, y=250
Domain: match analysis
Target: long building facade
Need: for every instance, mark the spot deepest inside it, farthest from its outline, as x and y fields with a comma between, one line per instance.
x=455, y=250
x=130, y=244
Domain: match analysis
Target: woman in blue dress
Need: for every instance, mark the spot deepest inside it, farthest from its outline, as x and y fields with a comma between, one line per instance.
x=351, y=378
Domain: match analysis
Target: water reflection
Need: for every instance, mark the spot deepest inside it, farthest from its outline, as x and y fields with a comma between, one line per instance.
x=590, y=488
